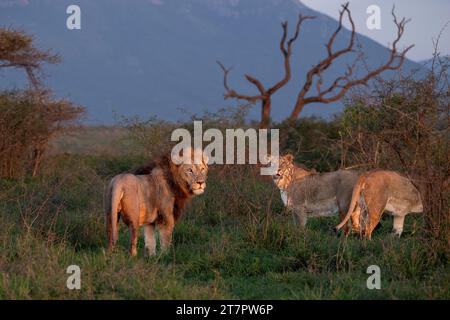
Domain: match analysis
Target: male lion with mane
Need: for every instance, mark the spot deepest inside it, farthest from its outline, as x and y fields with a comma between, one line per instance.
x=155, y=195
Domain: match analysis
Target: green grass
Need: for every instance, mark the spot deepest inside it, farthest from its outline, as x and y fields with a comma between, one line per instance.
x=235, y=242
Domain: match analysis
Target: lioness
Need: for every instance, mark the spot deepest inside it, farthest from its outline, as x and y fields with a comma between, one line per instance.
x=308, y=193
x=154, y=195
x=379, y=190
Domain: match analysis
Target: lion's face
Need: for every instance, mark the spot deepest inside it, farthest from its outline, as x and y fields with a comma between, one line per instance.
x=283, y=176
x=194, y=174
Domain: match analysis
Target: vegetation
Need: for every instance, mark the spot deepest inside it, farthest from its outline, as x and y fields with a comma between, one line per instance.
x=236, y=240
x=28, y=121
x=30, y=117
x=18, y=50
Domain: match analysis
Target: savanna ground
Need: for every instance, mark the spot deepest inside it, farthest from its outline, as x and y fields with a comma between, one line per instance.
x=236, y=241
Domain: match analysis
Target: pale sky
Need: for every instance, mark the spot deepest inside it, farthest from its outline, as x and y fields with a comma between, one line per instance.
x=427, y=19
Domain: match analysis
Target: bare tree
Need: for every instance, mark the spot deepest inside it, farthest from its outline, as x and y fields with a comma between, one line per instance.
x=265, y=95
x=314, y=77
x=17, y=50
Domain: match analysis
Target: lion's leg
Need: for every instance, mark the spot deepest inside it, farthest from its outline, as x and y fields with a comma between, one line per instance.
x=373, y=220
x=112, y=238
x=295, y=217
x=355, y=217
x=165, y=232
x=398, y=224
x=109, y=232
x=133, y=238
x=301, y=215
x=303, y=220
x=150, y=241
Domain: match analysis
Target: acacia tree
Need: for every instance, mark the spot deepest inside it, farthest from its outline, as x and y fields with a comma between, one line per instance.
x=28, y=118
x=314, y=77
x=17, y=50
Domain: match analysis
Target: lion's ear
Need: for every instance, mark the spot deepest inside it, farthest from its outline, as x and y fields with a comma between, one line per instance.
x=289, y=157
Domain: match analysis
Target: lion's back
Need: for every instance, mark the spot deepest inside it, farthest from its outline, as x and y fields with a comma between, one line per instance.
x=124, y=181
x=391, y=184
x=336, y=185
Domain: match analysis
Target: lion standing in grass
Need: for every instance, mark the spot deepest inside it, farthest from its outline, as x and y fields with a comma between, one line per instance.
x=377, y=191
x=310, y=194
x=154, y=196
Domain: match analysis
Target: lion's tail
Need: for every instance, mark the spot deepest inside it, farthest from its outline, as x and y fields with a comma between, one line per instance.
x=112, y=200
x=355, y=197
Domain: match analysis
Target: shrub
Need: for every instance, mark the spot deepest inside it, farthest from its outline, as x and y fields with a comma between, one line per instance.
x=28, y=120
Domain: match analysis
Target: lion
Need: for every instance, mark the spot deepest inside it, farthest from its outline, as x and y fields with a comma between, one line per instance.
x=308, y=193
x=153, y=196
x=379, y=190
x=287, y=172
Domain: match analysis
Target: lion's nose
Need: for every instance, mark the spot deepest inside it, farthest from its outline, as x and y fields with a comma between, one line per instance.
x=201, y=183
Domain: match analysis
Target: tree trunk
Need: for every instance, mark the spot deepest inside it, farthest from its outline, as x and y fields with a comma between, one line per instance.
x=36, y=161
x=297, y=109
x=265, y=113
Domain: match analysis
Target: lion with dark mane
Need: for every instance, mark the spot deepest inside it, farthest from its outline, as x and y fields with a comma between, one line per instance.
x=153, y=196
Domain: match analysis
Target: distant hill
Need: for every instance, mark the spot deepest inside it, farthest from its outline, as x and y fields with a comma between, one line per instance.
x=429, y=63
x=145, y=57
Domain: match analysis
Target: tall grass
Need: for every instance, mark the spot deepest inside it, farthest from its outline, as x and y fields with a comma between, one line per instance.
x=235, y=241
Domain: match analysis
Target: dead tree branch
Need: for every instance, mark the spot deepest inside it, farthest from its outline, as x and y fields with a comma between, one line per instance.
x=265, y=95
x=342, y=84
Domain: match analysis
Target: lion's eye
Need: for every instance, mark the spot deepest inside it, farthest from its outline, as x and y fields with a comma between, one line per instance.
x=190, y=170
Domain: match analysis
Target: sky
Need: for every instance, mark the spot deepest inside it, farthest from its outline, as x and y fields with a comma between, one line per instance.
x=427, y=20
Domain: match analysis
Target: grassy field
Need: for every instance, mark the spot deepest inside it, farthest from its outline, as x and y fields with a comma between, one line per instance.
x=235, y=241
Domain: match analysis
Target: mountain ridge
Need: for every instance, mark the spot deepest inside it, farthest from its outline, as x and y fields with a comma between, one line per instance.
x=154, y=57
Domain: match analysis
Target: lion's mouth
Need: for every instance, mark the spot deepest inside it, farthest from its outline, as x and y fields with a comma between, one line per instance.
x=198, y=187
x=198, y=191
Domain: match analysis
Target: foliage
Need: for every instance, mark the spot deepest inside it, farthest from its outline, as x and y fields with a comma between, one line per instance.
x=404, y=125
x=314, y=142
x=28, y=120
x=18, y=50
x=234, y=242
